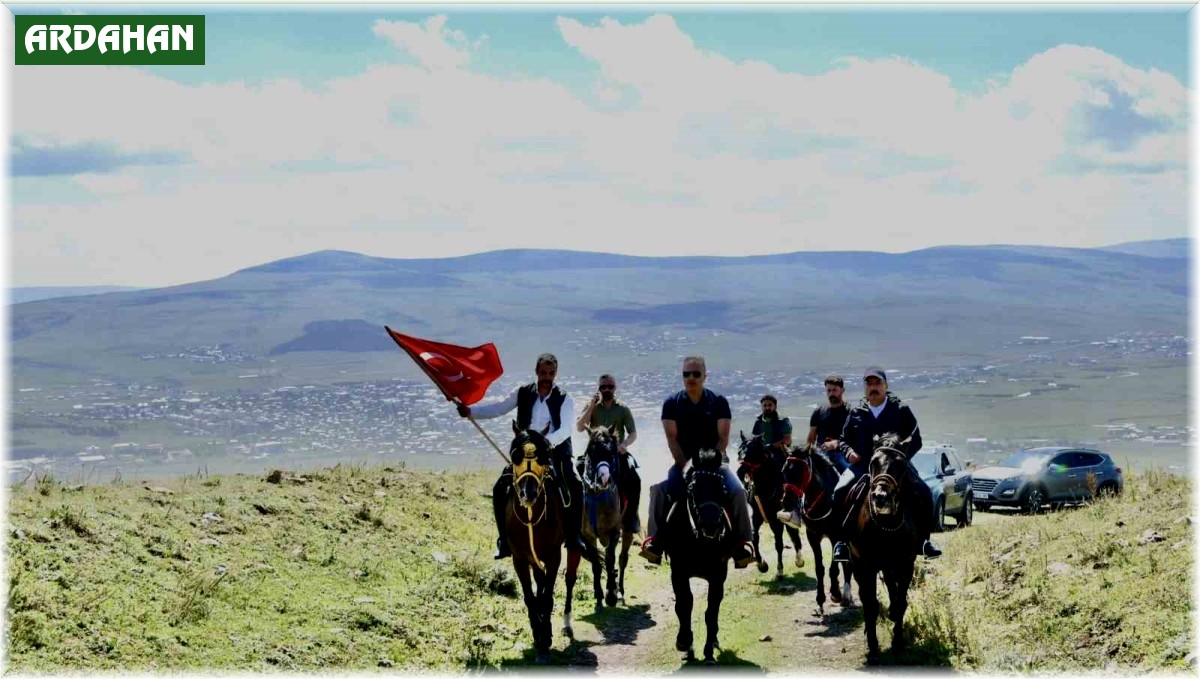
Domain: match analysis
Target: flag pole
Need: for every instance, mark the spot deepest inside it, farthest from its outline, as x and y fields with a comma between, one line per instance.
x=485, y=435
x=455, y=399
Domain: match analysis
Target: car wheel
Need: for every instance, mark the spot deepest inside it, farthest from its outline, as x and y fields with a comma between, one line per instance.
x=1107, y=490
x=1035, y=497
x=939, y=515
x=967, y=515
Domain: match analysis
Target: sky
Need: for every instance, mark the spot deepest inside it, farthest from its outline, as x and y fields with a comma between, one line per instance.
x=443, y=131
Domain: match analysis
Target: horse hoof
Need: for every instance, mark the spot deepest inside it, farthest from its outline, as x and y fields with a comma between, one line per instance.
x=799, y=560
x=762, y=567
x=710, y=661
x=835, y=596
x=599, y=607
x=543, y=658
x=611, y=599
x=683, y=642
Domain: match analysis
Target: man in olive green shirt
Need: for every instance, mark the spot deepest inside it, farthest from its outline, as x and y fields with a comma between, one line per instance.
x=604, y=410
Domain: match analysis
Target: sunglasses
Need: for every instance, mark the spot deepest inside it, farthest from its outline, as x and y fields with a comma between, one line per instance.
x=691, y=373
x=607, y=387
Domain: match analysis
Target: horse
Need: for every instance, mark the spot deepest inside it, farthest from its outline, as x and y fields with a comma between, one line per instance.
x=701, y=544
x=883, y=538
x=762, y=474
x=808, y=480
x=534, y=530
x=603, y=515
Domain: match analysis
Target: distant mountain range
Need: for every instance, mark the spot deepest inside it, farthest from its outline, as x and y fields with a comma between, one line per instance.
x=310, y=317
x=33, y=294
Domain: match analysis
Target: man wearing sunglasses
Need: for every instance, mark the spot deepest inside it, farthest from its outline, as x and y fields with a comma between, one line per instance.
x=695, y=419
x=605, y=410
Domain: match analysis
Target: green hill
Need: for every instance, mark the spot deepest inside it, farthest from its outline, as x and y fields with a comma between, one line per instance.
x=362, y=567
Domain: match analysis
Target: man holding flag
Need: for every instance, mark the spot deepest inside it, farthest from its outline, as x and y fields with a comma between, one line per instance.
x=540, y=405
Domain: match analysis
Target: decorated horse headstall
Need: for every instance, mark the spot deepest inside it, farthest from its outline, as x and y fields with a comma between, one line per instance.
x=883, y=478
x=694, y=476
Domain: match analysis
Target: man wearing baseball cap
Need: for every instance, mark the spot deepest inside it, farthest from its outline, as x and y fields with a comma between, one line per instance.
x=881, y=412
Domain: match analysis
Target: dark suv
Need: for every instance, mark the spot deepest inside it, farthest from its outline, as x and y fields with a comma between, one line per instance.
x=942, y=470
x=1035, y=477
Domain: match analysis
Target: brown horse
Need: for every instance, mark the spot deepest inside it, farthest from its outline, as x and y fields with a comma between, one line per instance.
x=603, y=515
x=884, y=539
x=808, y=480
x=762, y=474
x=534, y=530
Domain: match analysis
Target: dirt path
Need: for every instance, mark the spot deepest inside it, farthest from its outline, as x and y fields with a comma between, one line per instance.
x=767, y=625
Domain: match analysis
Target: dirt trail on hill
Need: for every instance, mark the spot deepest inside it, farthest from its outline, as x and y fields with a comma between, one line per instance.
x=767, y=624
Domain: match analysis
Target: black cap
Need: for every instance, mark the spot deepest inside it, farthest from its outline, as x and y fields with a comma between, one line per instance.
x=875, y=372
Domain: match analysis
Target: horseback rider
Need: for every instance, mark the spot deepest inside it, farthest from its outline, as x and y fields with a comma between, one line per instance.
x=824, y=430
x=880, y=412
x=776, y=431
x=540, y=405
x=695, y=419
x=604, y=410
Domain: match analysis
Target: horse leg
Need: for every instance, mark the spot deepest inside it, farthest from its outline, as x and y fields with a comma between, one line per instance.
x=597, y=591
x=610, y=566
x=570, y=577
x=797, y=543
x=531, y=602
x=712, y=614
x=814, y=542
x=683, y=610
x=898, y=594
x=626, y=541
x=777, y=528
x=847, y=575
x=867, y=578
x=758, y=521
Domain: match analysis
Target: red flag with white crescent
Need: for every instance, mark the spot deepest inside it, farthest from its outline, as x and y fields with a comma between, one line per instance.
x=459, y=372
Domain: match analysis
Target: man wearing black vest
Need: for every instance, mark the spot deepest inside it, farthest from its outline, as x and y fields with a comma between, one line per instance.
x=540, y=405
x=881, y=412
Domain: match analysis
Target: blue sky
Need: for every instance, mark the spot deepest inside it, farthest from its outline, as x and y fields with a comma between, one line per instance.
x=550, y=117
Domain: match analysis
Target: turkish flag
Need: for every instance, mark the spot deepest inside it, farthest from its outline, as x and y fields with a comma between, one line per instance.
x=458, y=371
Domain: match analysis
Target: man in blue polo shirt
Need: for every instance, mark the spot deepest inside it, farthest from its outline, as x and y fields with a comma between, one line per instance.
x=696, y=419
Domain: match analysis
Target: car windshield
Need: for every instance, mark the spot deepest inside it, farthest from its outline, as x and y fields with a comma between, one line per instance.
x=1027, y=460
x=926, y=464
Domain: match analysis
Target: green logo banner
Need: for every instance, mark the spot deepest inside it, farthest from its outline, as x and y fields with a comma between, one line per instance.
x=110, y=40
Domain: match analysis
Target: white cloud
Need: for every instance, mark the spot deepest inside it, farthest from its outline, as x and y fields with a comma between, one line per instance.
x=432, y=45
x=674, y=150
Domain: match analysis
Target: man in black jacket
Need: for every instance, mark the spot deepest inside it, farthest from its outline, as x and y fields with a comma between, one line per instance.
x=540, y=405
x=882, y=412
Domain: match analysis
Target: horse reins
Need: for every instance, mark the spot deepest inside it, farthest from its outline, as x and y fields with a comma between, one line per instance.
x=800, y=490
x=538, y=472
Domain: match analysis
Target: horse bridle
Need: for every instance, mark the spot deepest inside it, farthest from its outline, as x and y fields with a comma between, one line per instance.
x=694, y=509
x=536, y=470
x=885, y=479
x=800, y=491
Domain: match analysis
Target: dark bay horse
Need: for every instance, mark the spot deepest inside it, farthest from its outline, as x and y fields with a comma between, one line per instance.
x=762, y=474
x=884, y=539
x=700, y=546
x=603, y=514
x=534, y=529
x=809, y=479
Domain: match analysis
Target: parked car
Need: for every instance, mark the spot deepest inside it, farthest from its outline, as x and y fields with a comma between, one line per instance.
x=1032, y=478
x=949, y=481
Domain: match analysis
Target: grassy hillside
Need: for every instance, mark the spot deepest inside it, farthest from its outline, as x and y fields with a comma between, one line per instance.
x=365, y=567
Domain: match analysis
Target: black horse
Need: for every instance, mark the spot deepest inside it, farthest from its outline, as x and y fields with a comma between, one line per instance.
x=701, y=545
x=809, y=479
x=884, y=538
x=761, y=472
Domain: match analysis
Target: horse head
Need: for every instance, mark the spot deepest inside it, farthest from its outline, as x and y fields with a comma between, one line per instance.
x=751, y=450
x=530, y=453
x=707, y=497
x=600, y=458
x=888, y=469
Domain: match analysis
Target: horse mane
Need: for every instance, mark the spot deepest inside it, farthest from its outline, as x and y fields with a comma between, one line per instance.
x=887, y=440
x=822, y=467
x=707, y=459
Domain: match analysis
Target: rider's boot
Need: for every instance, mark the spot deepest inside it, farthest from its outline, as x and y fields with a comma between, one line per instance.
x=841, y=551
